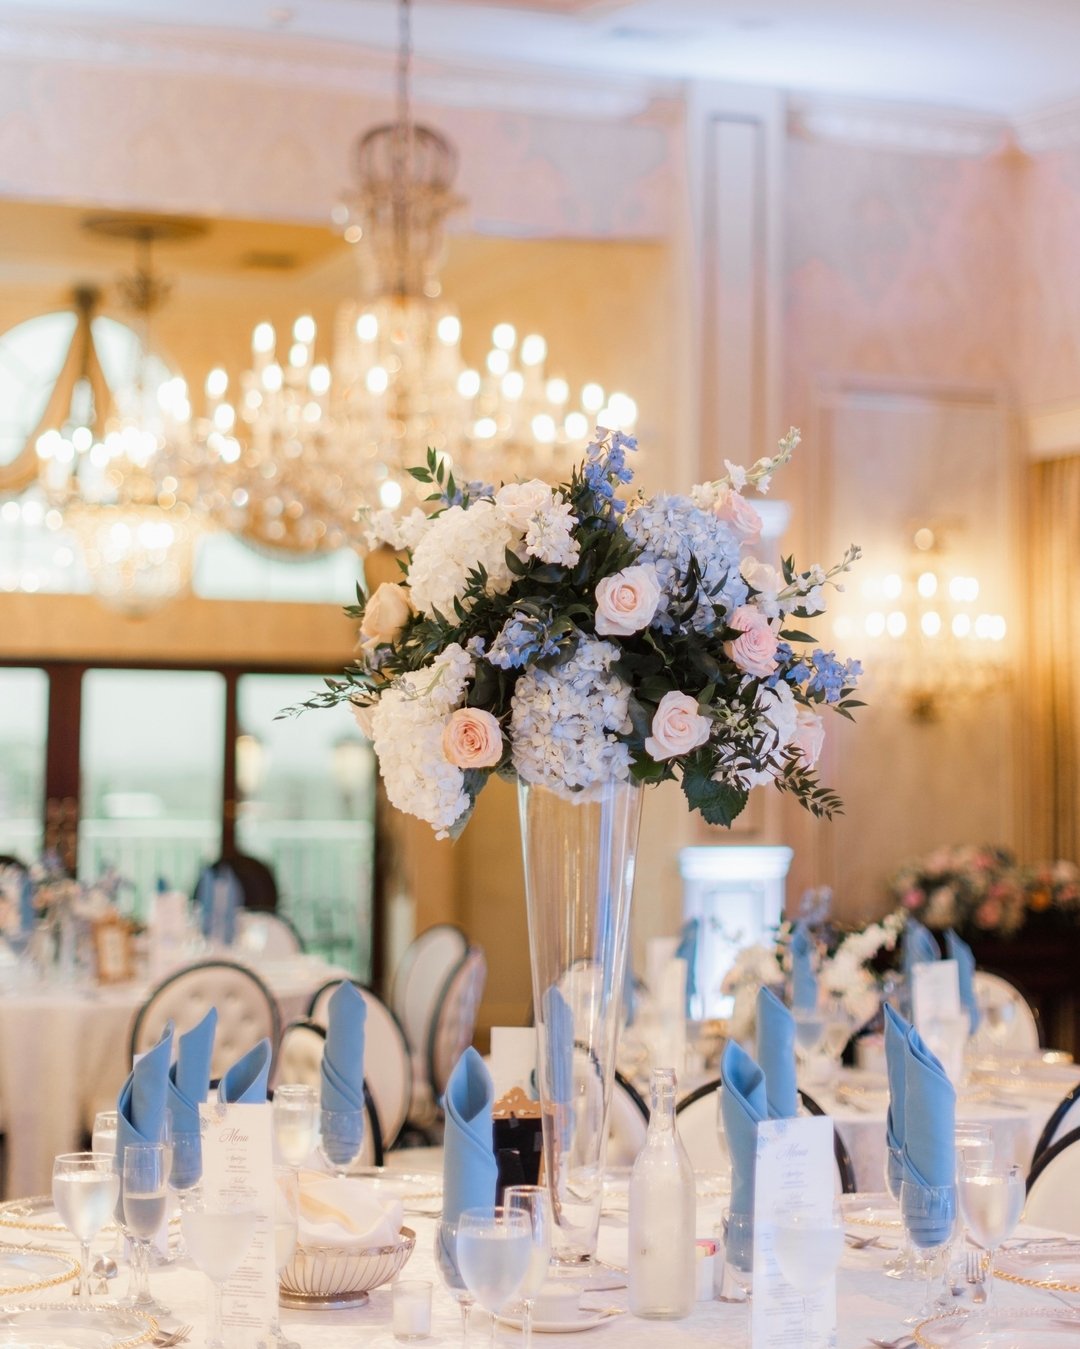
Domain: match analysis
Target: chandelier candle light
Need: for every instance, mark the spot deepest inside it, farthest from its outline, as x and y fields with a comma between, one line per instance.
x=585, y=643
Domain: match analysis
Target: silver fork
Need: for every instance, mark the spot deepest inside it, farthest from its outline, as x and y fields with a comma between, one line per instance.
x=163, y=1339
x=902, y=1342
x=974, y=1275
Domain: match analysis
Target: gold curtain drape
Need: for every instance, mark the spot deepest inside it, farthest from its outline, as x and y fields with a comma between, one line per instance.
x=1052, y=823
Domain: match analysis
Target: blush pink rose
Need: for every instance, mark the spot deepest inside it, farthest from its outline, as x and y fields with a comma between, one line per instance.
x=677, y=727
x=385, y=614
x=626, y=602
x=754, y=652
x=738, y=513
x=809, y=735
x=472, y=738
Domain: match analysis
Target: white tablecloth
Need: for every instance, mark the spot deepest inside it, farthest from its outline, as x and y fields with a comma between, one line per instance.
x=868, y=1304
x=1015, y=1125
x=64, y=1055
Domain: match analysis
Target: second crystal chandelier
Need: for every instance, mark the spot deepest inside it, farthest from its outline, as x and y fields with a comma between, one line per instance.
x=307, y=443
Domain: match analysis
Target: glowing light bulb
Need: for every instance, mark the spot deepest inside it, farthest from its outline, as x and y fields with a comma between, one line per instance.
x=503, y=336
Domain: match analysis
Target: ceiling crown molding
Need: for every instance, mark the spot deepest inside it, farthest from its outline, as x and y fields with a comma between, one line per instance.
x=901, y=127
x=281, y=60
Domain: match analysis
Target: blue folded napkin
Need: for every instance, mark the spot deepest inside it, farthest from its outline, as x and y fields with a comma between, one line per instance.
x=27, y=915
x=804, y=989
x=469, y=1169
x=743, y=1104
x=341, y=1076
x=929, y=1144
x=776, y=1054
x=143, y=1100
x=896, y=1033
x=687, y=950
x=557, y=1038
x=189, y=1077
x=245, y=1082
x=219, y=896
x=919, y=946
x=961, y=952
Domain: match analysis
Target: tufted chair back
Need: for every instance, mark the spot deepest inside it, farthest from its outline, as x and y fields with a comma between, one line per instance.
x=246, y=1010
x=455, y=1017
x=387, y=1066
x=300, y=1058
x=267, y=934
x=421, y=977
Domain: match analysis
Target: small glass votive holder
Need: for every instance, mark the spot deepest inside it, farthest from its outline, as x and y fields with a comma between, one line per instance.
x=411, y=1309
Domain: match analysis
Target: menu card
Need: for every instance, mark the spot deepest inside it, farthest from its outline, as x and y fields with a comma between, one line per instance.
x=939, y=1014
x=237, y=1160
x=795, y=1173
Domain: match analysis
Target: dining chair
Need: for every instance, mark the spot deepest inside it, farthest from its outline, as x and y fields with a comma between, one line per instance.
x=1065, y=1118
x=420, y=978
x=387, y=1062
x=300, y=1056
x=246, y=1010
x=454, y=1021
x=696, y=1120
x=1052, y=1186
x=272, y=935
x=628, y=1122
x=1003, y=1005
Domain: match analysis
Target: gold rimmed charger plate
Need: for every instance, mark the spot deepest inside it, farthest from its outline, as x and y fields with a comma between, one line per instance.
x=1054, y=1266
x=871, y=1210
x=38, y=1214
x=1040, y=1327
x=30, y=1269
x=56, y=1326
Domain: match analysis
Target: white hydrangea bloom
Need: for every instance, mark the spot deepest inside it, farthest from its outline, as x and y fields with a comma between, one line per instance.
x=407, y=728
x=453, y=545
x=549, y=535
x=385, y=527
x=565, y=721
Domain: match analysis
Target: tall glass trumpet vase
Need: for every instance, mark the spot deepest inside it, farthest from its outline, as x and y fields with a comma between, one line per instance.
x=579, y=857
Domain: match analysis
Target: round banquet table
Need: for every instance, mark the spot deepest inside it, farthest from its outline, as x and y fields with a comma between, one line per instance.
x=64, y=1056
x=858, y=1108
x=868, y=1303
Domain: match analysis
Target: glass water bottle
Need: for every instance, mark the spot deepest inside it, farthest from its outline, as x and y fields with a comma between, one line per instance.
x=662, y=1219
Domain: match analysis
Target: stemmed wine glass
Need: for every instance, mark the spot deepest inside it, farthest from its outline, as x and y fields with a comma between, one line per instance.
x=901, y=1265
x=103, y=1143
x=808, y=1247
x=286, y=1230
x=809, y=1032
x=929, y=1214
x=342, y=1139
x=144, y=1183
x=534, y=1201
x=296, y=1122
x=494, y=1247
x=446, y=1259
x=186, y=1171
x=991, y=1200
x=85, y=1187
x=218, y=1237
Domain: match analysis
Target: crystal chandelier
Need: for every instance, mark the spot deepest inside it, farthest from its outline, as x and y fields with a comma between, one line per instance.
x=307, y=442
x=118, y=463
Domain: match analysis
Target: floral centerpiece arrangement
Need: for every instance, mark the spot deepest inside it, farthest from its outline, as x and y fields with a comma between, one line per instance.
x=576, y=636
x=984, y=891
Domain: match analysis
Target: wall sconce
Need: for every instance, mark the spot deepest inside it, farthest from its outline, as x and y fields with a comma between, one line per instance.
x=931, y=635
x=250, y=764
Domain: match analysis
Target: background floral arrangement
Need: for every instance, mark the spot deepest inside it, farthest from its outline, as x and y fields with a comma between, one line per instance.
x=572, y=637
x=983, y=890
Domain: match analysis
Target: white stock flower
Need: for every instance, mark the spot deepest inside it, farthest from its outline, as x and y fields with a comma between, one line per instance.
x=384, y=527
x=550, y=536
x=455, y=544
x=767, y=581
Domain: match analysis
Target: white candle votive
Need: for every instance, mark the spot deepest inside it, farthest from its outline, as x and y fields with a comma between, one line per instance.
x=412, y=1309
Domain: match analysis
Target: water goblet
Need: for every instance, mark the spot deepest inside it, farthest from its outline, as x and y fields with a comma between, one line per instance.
x=446, y=1260
x=103, y=1141
x=185, y=1172
x=809, y=1033
x=991, y=1200
x=535, y=1203
x=296, y=1119
x=143, y=1185
x=494, y=1247
x=808, y=1247
x=901, y=1265
x=85, y=1188
x=341, y=1139
x=218, y=1236
x=286, y=1230
x=929, y=1214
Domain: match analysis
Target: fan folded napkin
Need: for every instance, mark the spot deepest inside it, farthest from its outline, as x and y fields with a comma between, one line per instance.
x=776, y=1054
x=245, y=1082
x=342, y=1073
x=929, y=1143
x=189, y=1077
x=896, y=1033
x=344, y=1212
x=143, y=1100
x=961, y=952
x=804, y=987
x=743, y=1104
x=920, y=947
x=469, y=1167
